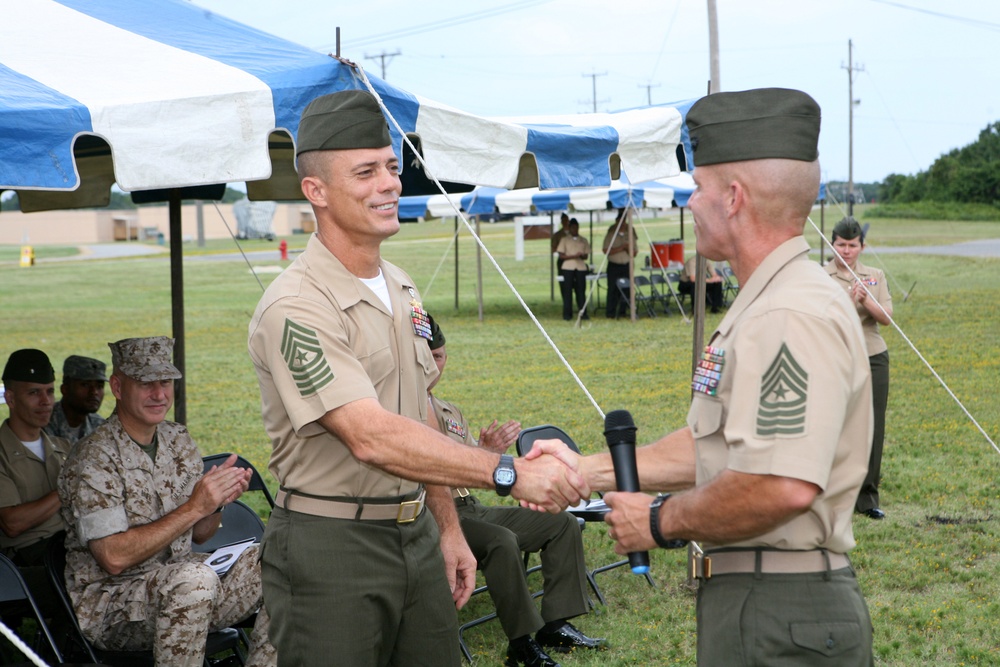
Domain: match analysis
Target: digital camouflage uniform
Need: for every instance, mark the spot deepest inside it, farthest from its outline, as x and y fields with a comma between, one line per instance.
x=171, y=600
x=58, y=426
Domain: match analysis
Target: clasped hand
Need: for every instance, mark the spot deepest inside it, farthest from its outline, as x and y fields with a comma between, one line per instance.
x=220, y=486
x=549, y=479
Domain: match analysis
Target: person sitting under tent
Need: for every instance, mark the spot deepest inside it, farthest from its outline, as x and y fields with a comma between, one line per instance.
x=135, y=496
x=75, y=416
x=713, y=283
x=498, y=534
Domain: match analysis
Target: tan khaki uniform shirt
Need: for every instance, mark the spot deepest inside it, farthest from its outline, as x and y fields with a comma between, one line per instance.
x=109, y=485
x=572, y=245
x=874, y=280
x=320, y=339
x=24, y=478
x=452, y=422
x=619, y=240
x=783, y=388
x=689, y=269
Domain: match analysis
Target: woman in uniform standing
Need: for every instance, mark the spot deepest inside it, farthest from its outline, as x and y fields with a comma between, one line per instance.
x=849, y=240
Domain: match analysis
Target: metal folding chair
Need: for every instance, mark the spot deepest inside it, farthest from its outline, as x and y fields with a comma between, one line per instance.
x=256, y=481
x=592, y=509
x=14, y=592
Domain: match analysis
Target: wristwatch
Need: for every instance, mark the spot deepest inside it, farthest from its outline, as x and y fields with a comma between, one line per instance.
x=504, y=476
x=654, y=525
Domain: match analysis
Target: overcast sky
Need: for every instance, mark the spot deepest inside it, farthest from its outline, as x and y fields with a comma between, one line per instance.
x=929, y=79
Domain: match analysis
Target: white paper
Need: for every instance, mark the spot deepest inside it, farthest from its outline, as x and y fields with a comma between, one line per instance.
x=223, y=558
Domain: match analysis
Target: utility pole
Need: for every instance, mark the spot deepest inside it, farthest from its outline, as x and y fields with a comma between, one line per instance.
x=851, y=69
x=649, y=94
x=594, y=86
x=715, y=85
x=382, y=57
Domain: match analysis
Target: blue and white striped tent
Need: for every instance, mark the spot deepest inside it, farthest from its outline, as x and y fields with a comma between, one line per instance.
x=158, y=94
x=483, y=200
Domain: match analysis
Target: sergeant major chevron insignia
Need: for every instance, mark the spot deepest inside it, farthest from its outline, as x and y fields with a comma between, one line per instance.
x=783, y=391
x=304, y=356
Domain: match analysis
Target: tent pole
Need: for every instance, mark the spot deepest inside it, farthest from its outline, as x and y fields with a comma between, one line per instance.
x=682, y=223
x=479, y=272
x=456, y=262
x=822, y=231
x=177, y=304
x=552, y=258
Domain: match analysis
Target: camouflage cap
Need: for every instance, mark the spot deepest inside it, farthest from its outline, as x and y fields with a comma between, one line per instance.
x=145, y=359
x=29, y=365
x=343, y=120
x=84, y=368
x=437, y=336
x=754, y=125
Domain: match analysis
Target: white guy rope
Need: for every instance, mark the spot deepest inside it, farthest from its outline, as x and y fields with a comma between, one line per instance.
x=912, y=345
x=465, y=221
x=24, y=648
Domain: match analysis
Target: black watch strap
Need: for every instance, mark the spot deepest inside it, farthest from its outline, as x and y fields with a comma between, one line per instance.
x=654, y=524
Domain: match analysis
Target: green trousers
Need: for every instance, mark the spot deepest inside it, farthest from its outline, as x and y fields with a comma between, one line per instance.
x=497, y=537
x=357, y=593
x=868, y=496
x=784, y=620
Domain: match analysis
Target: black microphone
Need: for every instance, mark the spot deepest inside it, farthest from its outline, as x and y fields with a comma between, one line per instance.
x=619, y=430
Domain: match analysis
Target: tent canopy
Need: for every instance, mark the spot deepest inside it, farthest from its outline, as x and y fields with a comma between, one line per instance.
x=161, y=94
x=483, y=200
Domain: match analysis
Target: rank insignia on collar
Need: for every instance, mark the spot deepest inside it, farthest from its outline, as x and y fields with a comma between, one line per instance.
x=420, y=320
x=709, y=370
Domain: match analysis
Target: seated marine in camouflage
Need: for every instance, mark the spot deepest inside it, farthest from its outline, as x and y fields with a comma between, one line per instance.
x=134, y=498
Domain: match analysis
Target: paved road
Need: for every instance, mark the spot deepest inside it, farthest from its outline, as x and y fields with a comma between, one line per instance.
x=981, y=248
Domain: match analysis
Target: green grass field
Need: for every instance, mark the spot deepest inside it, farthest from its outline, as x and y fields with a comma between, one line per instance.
x=930, y=571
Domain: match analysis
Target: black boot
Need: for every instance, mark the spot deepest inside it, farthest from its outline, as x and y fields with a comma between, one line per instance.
x=526, y=651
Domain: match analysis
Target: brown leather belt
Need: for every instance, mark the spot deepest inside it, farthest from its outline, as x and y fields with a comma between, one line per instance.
x=400, y=512
x=770, y=562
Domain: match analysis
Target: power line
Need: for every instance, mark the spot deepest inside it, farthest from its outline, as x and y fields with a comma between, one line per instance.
x=439, y=25
x=961, y=19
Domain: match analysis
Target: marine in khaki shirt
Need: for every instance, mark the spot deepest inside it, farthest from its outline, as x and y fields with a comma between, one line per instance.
x=778, y=433
x=339, y=346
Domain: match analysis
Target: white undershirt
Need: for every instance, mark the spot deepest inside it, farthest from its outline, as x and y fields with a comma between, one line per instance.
x=36, y=448
x=377, y=285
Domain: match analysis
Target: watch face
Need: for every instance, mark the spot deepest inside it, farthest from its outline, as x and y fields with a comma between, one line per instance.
x=504, y=477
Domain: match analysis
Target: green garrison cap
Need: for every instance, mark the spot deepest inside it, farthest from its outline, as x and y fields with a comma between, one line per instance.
x=29, y=365
x=344, y=120
x=145, y=359
x=848, y=229
x=437, y=337
x=754, y=125
x=83, y=368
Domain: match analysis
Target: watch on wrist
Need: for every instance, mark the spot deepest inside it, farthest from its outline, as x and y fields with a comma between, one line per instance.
x=654, y=525
x=504, y=476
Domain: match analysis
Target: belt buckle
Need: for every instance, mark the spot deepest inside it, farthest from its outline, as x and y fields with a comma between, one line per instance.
x=410, y=510
x=461, y=492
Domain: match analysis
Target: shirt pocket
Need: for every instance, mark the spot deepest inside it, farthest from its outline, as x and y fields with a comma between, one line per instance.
x=379, y=364
x=705, y=415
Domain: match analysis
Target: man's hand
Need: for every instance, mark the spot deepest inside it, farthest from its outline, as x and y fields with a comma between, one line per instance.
x=220, y=486
x=459, y=566
x=498, y=438
x=548, y=478
x=628, y=522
